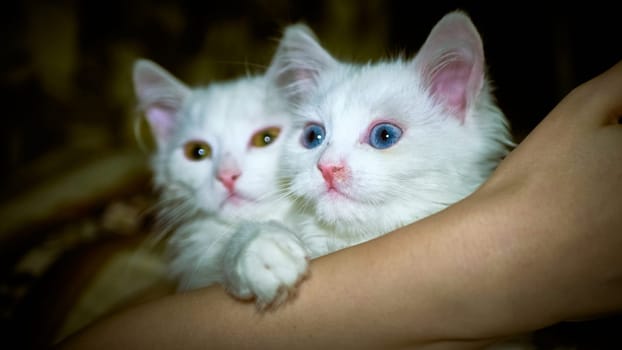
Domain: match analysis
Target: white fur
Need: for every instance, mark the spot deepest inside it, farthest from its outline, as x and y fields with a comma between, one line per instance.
x=444, y=154
x=217, y=240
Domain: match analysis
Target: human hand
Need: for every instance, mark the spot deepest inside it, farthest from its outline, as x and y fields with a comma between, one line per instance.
x=565, y=184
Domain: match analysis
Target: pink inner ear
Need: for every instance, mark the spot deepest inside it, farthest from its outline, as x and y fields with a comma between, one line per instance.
x=303, y=74
x=450, y=83
x=161, y=121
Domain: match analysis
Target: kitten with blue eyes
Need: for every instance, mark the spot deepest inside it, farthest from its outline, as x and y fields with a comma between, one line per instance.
x=216, y=169
x=380, y=145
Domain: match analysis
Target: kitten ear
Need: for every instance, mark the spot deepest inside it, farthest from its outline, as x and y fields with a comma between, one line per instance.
x=451, y=62
x=160, y=96
x=297, y=62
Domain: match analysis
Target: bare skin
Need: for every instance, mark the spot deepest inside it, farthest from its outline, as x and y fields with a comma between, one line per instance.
x=537, y=244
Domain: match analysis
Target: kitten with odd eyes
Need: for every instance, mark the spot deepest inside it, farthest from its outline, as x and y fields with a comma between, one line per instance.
x=377, y=146
x=216, y=169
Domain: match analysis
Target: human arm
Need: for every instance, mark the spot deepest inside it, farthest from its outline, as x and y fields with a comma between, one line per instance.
x=537, y=244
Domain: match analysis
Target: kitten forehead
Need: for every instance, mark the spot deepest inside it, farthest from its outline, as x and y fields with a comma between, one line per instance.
x=228, y=102
x=230, y=108
x=385, y=90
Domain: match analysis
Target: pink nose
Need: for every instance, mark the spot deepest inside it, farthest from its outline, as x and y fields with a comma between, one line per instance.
x=332, y=172
x=228, y=178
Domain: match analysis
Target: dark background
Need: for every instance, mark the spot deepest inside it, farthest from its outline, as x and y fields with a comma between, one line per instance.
x=68, y=144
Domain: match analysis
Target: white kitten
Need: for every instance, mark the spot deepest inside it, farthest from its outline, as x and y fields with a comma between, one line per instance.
x=378, y=146
x=216, y=168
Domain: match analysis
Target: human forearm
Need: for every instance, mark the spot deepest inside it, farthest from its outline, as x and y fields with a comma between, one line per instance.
x=459, y=276
x=434, y=296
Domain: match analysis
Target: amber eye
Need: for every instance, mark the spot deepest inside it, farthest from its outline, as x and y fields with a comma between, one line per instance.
x=197, y=150
x=264, y=137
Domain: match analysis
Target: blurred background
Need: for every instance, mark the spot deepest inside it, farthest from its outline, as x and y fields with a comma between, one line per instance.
x=76, y=194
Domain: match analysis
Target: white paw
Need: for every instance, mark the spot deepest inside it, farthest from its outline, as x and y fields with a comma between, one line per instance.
x=270, y=262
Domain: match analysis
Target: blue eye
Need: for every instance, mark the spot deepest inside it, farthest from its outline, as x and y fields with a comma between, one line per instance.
x=312, y=135
x=384, y=135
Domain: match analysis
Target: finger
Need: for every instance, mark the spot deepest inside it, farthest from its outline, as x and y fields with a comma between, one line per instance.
x=609, y=84
x=598, y=101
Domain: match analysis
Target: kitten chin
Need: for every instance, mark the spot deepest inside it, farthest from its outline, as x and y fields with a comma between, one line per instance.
x=349, y=217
